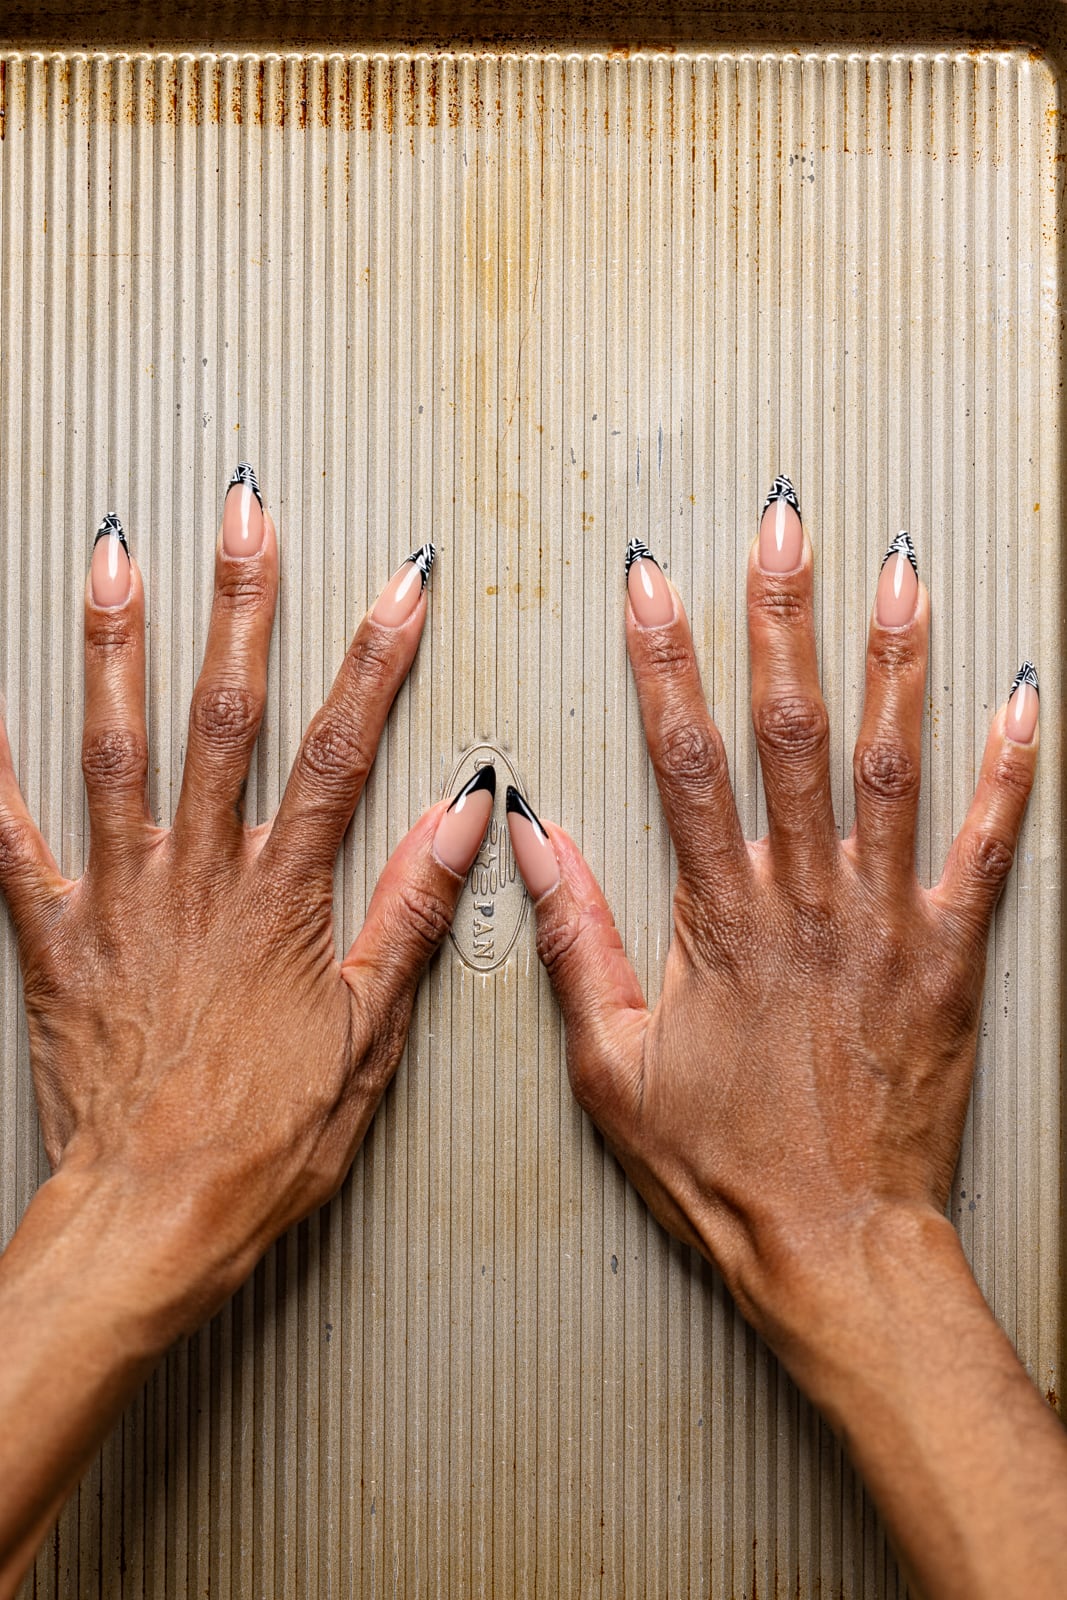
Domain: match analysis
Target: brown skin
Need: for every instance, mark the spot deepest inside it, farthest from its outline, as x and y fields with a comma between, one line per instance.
x=205, y=1068
x=794, y=1103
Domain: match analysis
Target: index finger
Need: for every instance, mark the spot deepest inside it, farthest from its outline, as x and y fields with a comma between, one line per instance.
x=341, y=742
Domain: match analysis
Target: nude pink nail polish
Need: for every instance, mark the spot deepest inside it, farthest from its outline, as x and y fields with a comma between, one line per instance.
x=1023, y=705
x=401, y=594
x=532, y=846
x=898, y=584
x=462, y=828
x=649, y=591
x=781, y=535
x=242, y=514
x=110, y=578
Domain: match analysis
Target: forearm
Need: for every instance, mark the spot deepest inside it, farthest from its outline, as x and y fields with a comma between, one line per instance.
x=85, y=1311
x=966, y=1461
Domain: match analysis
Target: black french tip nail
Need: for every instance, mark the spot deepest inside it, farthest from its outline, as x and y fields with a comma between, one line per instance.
x=245, y=473
x=514, y=801
x=903, y=545
x=423, y=558
x=484, y=778
x=637, y=550
x=1027, y=673
x=782, y=489
x=112, y=525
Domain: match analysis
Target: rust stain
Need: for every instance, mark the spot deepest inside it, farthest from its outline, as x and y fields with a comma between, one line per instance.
x=366, y=101
x=1053, y=1399
x=431, y=93
x=237, y=100
x=3, y=99
x=344, y=105
x=259, y=92
x=216, y=94
x=302, y=109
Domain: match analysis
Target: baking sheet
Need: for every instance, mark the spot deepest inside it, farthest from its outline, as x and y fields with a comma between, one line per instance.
x=531, y=303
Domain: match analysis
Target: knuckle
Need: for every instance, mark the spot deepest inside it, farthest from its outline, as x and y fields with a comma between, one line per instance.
x=371, y=660
x=335, y=755
x=556, y=940
x=425, y=914
x=590, y=1078
x=1012, y=776
x=110, y=635
x=988, y=859
x=793, y=726
x=114, y=757
x=692, y=755
x=241, y=586
x=17, y=844
x=886, y=771
x=893, y=655
x=226, y=715
x=782, y=606
x=667, y=654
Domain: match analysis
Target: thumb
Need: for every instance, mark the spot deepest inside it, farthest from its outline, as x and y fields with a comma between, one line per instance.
x=603, y=1008
x=415, y=898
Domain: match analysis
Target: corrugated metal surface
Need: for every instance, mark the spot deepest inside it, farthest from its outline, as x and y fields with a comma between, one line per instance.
x=531, y=306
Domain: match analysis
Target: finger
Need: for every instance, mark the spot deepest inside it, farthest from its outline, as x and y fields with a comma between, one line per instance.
x=983, y=850
x=792, y=728
x=887, y=760
x=231, y=691
x=340, y=744
x=114, y=736
x=603, y=1008
x=687, y=752
x=415, y=899
x=29, y=876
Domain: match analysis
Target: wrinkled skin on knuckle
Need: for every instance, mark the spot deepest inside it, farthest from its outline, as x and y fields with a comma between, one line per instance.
x=425, y=913
x=691, y=757
x=892, y=655
x=792, y=727
x=110, y=637
x=987, y=859
x=665, y=653
x=335, y=755
x=780, y=606
x=241, y=586
x=556, y=939
x=115, y=758
x=1012, y=774
x=370, y=664
x=885, y=770
x=226, y=716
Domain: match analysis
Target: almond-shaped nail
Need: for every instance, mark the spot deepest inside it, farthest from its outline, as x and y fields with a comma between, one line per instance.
x=462, y=828
x=781, y=536
x=242, y=514
x=649, y=591
x=401, y=594
x=1023, y=702
x=109, y=571
x=533, y=848
x=898, y=583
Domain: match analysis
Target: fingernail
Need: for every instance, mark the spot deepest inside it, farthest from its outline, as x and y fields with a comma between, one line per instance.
x=242, y=514
x=648, y=589
x=110, y=575
x=532, y=846
x=1023, y=701
x=401, y=594
x=462, y=828
x=898, y=584
x=781, y=537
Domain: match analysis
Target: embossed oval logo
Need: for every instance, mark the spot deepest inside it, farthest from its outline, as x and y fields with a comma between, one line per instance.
x=492, y=907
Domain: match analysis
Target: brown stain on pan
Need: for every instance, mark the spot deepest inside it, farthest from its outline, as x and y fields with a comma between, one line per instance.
x=3, y=99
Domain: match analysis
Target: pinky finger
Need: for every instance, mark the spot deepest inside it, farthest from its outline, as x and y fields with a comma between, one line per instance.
x=29, y=875
x=984, y=849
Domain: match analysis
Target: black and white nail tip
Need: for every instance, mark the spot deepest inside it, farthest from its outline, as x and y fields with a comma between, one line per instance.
x=513, y=801
x=782, y=489
x=903, y=546
x=1027, y=673
x=112, y=525
x=245, y=473
x=423, y=558
x=637, y=550
x=484, y=778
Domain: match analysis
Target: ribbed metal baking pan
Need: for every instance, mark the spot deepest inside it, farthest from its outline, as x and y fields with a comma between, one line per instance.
x=530, y=284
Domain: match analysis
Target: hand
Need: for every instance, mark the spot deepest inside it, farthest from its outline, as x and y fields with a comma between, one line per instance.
x=205, y=1068
x=794, y=1103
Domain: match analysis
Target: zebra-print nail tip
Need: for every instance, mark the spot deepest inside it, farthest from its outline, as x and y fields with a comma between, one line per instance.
x=423, y=558
x=637, y=550
x=782, y=489
x=111, y=524
x=902, y=546
x=1027, y=673
x=245, y=473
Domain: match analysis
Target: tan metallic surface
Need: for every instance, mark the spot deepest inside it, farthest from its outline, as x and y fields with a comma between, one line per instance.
x=530, y=306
